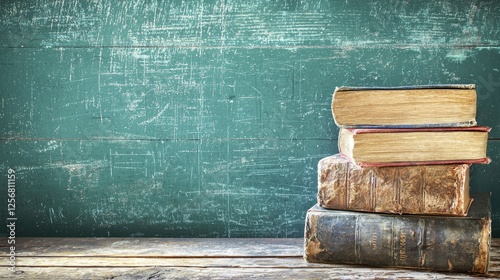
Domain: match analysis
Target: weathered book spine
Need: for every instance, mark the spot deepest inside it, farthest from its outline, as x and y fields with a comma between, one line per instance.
x=424, y=189
x=456, y=244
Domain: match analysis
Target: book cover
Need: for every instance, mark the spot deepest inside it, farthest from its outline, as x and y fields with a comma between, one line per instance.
x=455, y=244
x=417, y=189
x=447, y=105
x=414, y=146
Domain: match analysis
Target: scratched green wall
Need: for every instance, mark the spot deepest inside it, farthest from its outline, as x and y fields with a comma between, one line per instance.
x=208, y=118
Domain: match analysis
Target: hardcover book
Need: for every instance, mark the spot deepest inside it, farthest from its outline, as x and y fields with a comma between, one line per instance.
x=417, y=189
x=458, y=244
x=416, y=146
x=411, y=106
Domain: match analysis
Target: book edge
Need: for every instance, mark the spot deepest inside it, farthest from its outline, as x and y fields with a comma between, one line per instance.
x=485, y=160
x=435, y=86
x=471, y=123
x=475, y=213
x=417, y=129
x=464, y=123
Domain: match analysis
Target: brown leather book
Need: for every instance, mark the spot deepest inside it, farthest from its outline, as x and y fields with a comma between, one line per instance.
x=416, y=189
x=458, y=244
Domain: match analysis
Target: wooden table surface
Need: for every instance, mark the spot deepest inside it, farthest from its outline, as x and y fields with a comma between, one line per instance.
x=168, y=258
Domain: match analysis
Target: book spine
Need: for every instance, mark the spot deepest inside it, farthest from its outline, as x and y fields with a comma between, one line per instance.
x=425, y=189
x=417, y=242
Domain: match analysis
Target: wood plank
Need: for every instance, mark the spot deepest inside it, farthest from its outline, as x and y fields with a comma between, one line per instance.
x=495, y=242
x=185, y=262
x=132, y=258
x=165, y=247
x=201, y=119
x=157, y=247
x=327, y=272
x=160, y=261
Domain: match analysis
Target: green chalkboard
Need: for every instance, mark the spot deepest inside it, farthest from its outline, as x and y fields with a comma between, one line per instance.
x=208, y=118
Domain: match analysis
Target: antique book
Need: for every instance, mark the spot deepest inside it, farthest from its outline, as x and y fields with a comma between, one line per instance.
x=413, y=146
x=410, y=106
x=458, y=244
x=415, y=189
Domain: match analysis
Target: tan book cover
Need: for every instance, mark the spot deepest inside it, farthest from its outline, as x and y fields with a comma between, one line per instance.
x=417, y=189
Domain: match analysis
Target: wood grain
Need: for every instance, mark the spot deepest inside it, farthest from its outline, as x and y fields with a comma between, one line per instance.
x=140, y=258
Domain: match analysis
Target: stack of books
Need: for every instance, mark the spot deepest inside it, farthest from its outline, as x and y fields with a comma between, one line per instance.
x=397, y=195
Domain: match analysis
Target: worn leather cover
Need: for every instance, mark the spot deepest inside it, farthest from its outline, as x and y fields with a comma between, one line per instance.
x=457, y=244
x=425, y=189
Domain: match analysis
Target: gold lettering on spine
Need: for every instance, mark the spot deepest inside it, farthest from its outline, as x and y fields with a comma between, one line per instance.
x=373, y=241
x=402, y=247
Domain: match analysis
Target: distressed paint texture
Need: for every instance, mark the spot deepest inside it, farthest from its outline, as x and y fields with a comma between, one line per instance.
x=208, y=118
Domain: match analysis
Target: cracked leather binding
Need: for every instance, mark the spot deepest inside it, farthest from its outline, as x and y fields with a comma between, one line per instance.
x=458, y=244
